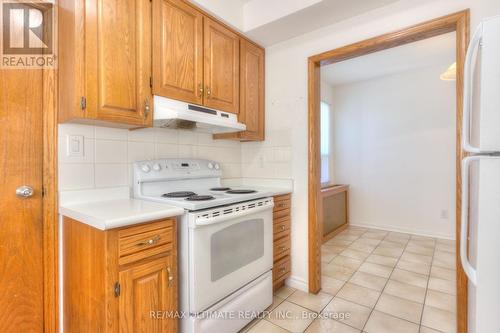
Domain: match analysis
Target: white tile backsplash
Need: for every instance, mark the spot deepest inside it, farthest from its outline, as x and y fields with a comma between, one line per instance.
x=110, y=152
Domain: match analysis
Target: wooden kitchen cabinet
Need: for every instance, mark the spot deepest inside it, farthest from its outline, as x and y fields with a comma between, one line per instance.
x=281, y=237
x=178, y=56
x=221, y=67
x=105, y=62
x=251, y=113
x=120, y=280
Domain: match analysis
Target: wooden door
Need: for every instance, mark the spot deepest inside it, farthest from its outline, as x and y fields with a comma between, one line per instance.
x=178, y=56
x=148, y=290
x=221, y=67
x=118, y=61
x=21, y=234
x=252, y=91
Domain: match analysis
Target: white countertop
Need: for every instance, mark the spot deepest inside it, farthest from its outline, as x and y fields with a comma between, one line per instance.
x=109, y=214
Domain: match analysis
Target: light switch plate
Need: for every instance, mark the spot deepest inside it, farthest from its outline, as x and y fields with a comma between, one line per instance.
x=75, y=144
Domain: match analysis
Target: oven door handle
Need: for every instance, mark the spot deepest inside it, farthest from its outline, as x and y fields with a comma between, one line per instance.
x=200, y=222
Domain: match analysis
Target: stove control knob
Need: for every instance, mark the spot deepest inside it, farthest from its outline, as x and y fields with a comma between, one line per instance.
x=156, y=167
x=217, y=167
x=145, y=168
x=210, y=165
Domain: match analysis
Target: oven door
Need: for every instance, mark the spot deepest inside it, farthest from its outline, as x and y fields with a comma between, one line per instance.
x=228, y=248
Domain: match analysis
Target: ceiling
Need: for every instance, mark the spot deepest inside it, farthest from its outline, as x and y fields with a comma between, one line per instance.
x=270, y=21
x=434, y=51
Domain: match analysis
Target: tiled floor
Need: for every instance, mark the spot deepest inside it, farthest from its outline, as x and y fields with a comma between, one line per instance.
x=375, y=282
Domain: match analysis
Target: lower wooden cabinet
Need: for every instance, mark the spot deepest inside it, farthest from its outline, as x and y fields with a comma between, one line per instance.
x=121, y=280
x=281, y=236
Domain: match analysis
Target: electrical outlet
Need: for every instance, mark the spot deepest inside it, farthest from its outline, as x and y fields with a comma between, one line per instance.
x=444, y=214
x=75, y=146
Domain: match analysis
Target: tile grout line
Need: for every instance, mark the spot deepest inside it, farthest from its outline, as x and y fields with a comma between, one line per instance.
x=388, y=279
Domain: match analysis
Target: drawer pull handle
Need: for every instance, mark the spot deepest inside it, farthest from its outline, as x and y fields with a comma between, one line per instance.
x=282, y=248
x=282, y=269
x=149, y=242
x=282, y=227
x=170, y=277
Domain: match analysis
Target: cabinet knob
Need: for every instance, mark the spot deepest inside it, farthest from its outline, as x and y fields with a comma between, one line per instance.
x=209, y=92
x=24, y=191
x=146, y=108
x=282, y=248
x=151, y=241
x=282, y=227
x=200, y=90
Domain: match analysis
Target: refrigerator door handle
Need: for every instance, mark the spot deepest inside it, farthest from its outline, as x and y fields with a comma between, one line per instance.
x=467, y=99
x=464, y=231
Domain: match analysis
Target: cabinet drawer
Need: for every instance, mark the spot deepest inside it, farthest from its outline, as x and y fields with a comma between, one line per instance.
x=281, y=268
x=281, y=248
x=280, y=204
x=281, y=213
x=281, y=225
x=140, y=242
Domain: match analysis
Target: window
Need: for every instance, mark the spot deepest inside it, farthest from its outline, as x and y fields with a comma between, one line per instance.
x=325, y=142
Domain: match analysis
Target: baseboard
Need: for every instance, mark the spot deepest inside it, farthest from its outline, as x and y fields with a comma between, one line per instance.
x=297, y=283
x=403, y=230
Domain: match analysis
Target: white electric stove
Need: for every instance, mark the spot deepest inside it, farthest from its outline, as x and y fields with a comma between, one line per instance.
x=225, y=242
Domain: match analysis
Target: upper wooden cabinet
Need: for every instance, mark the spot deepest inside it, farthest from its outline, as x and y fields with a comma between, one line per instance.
x=105, y=61
x=178, y=45
x=221, y=61
x=252, y=58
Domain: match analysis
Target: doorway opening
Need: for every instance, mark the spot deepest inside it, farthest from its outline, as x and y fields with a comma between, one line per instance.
x=458, y=24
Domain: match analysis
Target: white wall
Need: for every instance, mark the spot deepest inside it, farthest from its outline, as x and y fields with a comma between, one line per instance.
x=394, y=144
x=286, y=94
x=110, y=152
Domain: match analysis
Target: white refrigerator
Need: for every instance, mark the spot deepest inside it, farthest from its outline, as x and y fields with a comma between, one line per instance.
x=480, y=253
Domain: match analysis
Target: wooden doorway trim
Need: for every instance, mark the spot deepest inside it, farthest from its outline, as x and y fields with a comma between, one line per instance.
x=458, y=22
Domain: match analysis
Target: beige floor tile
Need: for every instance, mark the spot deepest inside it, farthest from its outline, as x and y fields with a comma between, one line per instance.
x=376, y=269
x=449, y=242
x=362, y=247
x=333, y=248
x=330, y=285
x=264, y=326
x=382, y=260
x=446, y=248
x=284, y=292
x=424, y=329
x=398, y=240
x=445, y=286
x=346, y=262
x=346, y=237
x=424, y=243
x=444, y=259
x=414, y=267
x=408, y=277
x=416, y=258
x=291, y=317
x=400, y=308
x=359, y=295
x=326, y=255
x=388, y=251
x=314, y=302
x=443, y=273
x=420, y=250
x=360, y=255
x=330, y=326
x=383, y=323
x=276, y=301
x=406, y=291
x=441, y=300
x=440, y=320
x=338, y=242
x=338, y=272
x=368, y=241
x=368, y=280
x=375, y=234
x=391, y=244
x=354, y=315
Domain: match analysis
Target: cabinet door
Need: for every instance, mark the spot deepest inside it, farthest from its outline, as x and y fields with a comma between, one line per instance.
x=178, y=56
x=148, y=292
x=221, y=67
x=118, y=61
x=252, y=91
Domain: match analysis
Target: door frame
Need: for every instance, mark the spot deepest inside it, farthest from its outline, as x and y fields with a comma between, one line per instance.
x=457, y=22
